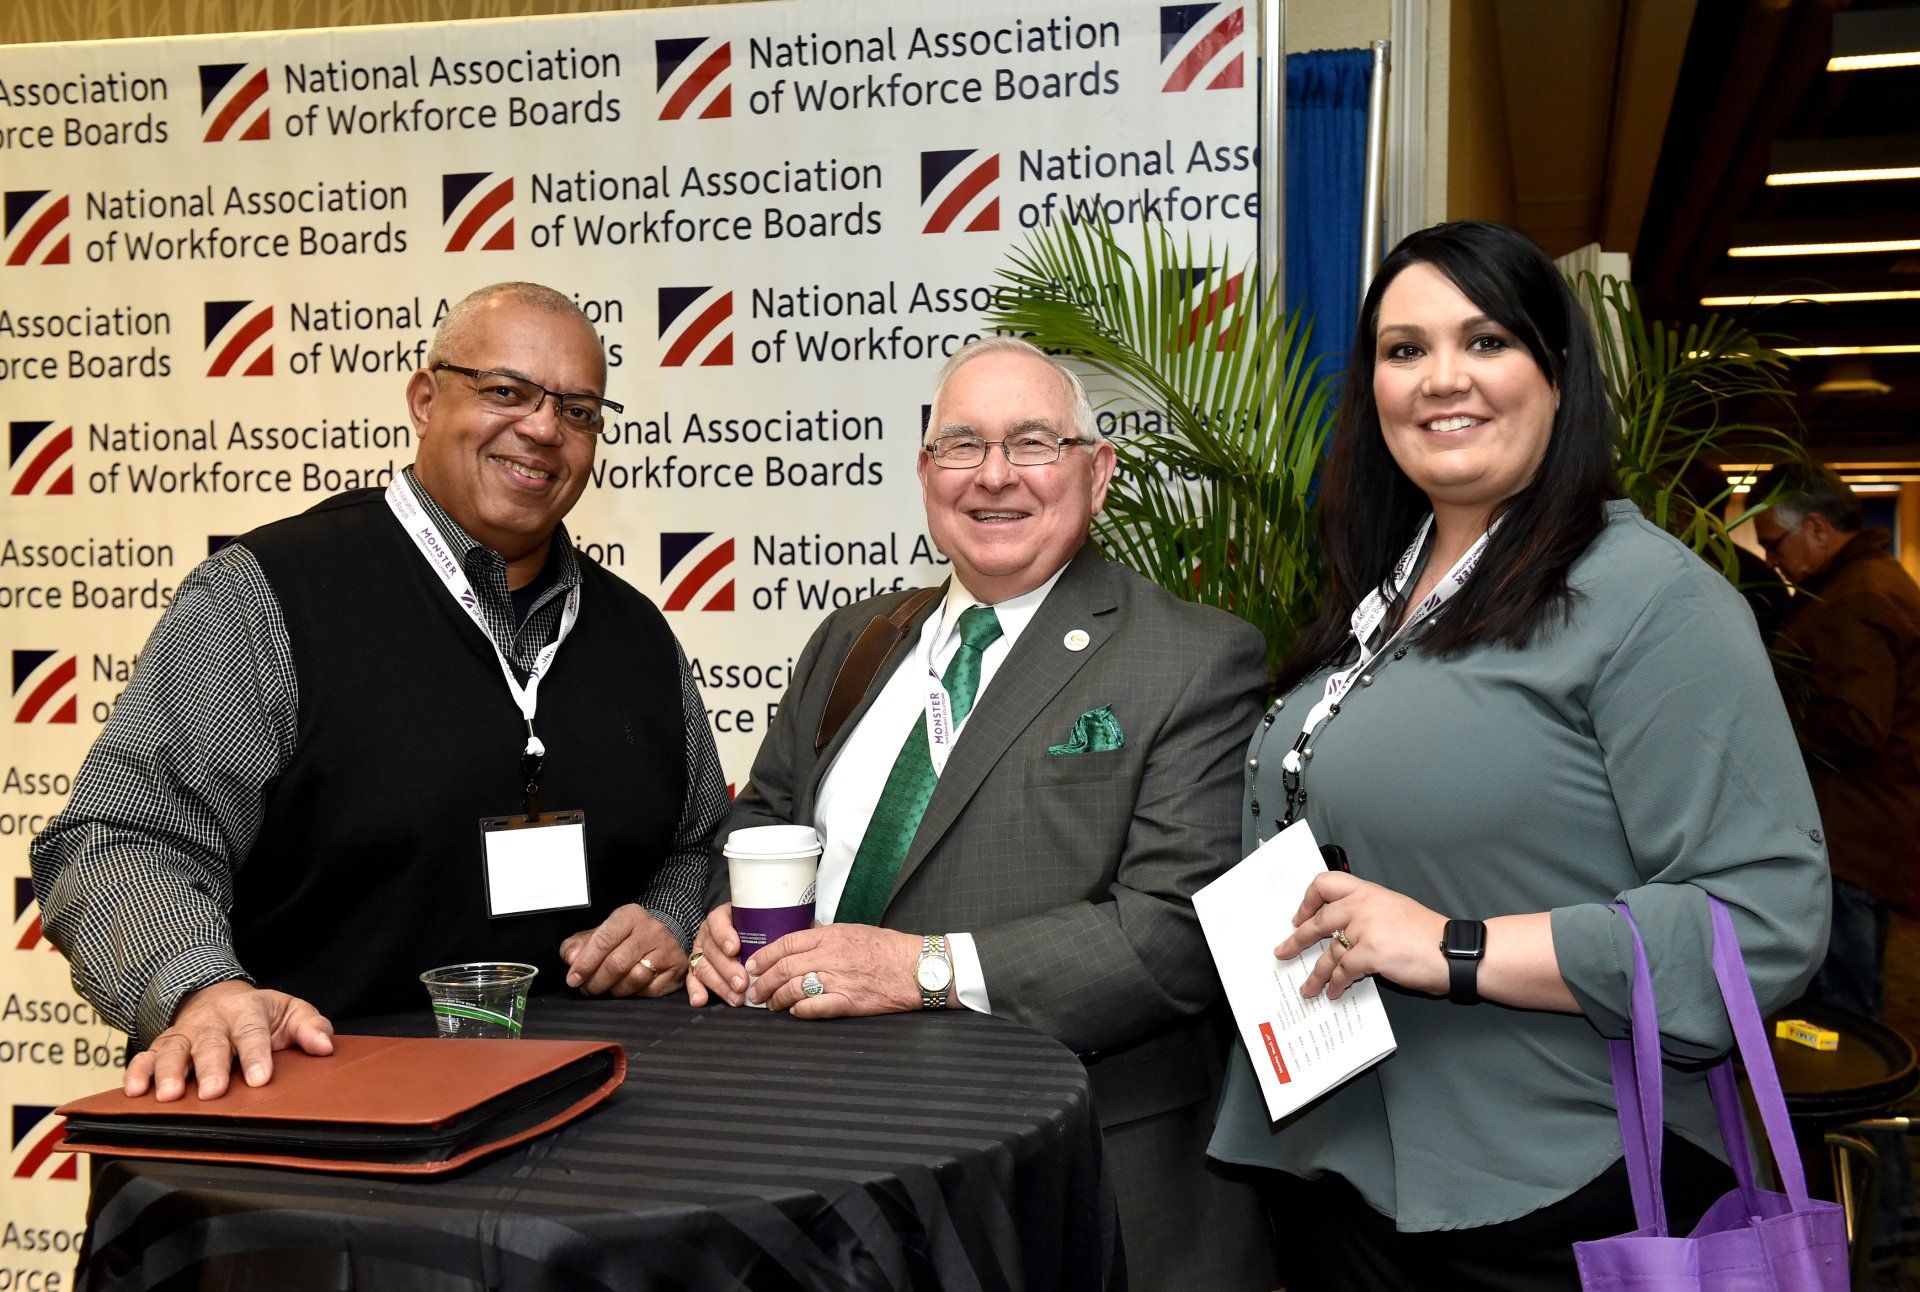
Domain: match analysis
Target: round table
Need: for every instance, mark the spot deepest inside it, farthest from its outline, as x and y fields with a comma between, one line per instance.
x=746, y=1150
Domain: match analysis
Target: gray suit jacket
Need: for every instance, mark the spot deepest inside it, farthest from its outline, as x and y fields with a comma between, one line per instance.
x=1074, y=873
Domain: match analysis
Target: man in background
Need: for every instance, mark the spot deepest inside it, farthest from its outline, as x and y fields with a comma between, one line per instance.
x=1849, y=656
x=1850, y=640
x=1018, y=800
x=284, y=817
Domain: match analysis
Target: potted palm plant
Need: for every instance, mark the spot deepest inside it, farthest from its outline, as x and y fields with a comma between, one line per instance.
x=1672, y=388
x=1223, y=420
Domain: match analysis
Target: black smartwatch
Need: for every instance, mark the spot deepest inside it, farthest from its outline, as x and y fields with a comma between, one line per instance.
x=1464, y=944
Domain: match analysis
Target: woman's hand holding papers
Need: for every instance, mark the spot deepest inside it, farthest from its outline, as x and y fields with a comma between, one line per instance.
x=1387, y=933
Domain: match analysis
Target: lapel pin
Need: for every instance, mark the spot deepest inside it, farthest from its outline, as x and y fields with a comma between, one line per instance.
x=1076, y=639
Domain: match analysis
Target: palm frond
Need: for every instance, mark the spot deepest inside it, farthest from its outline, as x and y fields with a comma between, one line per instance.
x=1213, y=496
x=1670, y=386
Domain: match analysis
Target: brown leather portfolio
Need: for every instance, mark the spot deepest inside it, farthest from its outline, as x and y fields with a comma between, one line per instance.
x=380, y=1104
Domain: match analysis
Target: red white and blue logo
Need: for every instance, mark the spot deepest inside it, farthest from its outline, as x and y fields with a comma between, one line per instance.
x=477, y=209
x=1212, y=299
x=46, y=686
x=696, y=567
x=39, y=458
x=27, y=933
x=696, y=327
x=1203, y=46
x=36, y=228
x=695, y=77
x=958, y=190
x=239, y=339
x=36, y=1132
x=234, y=103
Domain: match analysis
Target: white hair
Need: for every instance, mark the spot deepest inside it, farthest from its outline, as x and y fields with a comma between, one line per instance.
x=1085, y=426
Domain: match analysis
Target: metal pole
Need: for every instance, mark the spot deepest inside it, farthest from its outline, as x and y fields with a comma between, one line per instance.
x=1273, y=143
x=1376, y=165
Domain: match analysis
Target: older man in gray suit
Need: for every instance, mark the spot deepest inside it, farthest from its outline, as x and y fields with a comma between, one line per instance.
x=1019, y=781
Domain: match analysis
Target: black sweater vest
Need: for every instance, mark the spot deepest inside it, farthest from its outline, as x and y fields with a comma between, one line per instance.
x=367, y=869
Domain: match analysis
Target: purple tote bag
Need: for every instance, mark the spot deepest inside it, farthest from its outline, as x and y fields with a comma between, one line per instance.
x=1751, y=1240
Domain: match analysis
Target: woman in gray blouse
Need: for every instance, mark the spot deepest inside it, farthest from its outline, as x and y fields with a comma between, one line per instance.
x=1519, y=703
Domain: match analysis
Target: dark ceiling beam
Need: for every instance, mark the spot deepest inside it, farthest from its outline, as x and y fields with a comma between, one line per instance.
x=1799, y=58
x=1845, y=227
x=1706, y=129
x=1878, y=33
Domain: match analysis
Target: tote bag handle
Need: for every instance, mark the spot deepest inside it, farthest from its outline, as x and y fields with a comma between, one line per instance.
x=1641, y=1100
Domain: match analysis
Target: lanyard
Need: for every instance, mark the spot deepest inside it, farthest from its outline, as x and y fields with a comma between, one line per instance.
x=426, y=536
x=941, y=730
x=1366, y=622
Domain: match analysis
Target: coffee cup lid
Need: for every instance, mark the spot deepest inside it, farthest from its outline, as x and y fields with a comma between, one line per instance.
x=772, y=841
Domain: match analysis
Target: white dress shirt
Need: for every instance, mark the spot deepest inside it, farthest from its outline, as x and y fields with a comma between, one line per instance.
x=851, y=788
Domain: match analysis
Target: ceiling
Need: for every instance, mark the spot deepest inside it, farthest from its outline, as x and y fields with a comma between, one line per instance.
x=1652, y=125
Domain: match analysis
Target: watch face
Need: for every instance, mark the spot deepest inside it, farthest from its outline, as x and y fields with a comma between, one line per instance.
x=934, y=973
x=1464, y=939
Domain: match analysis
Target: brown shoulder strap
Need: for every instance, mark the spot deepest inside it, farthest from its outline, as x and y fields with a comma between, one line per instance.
x=863, y=662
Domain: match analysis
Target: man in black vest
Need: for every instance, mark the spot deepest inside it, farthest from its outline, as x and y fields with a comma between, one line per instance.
x=283, y=819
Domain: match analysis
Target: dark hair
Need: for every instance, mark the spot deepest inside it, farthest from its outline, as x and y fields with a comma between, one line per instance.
x=1370, y=510
x=1799, y=489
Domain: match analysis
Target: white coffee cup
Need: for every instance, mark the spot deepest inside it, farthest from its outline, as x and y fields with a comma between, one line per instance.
x=771, y=870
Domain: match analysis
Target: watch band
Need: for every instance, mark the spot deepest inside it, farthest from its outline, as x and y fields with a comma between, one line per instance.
x=934, y=946
x=1463, y=976
x=1464, y=944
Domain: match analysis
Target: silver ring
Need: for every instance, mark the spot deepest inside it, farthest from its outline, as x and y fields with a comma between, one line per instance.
x=1340, y=936
x=647, y=965
x=811, y=984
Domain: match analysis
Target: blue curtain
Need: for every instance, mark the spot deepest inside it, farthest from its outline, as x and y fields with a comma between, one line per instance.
x=1326, y=193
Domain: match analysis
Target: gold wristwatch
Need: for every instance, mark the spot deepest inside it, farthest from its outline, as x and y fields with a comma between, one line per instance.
x=934, y=973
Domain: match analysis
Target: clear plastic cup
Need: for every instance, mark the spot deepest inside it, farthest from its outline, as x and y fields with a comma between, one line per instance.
x=485, y=999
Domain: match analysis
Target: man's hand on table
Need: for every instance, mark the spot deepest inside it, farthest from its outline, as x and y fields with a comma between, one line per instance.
x=717, y=970
x=216, y=1023
x=865, y=970
x=630, y=954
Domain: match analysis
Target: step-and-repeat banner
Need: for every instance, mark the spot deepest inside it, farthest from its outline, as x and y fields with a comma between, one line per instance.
x=222, y=258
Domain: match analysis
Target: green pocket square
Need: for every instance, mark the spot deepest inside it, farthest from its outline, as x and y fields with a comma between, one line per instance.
x=1094, y=732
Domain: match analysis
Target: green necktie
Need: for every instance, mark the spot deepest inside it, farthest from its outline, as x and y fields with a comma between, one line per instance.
x=909, y=788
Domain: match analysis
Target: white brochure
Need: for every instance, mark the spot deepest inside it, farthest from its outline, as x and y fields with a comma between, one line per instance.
x=1301, y=1048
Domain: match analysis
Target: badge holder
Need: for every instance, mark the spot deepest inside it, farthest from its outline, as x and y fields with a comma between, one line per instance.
x=537, y=861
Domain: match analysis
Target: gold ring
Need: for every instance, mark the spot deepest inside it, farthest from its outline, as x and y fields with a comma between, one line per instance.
x=1340, y=936
x=693, y=961
x=647, y=965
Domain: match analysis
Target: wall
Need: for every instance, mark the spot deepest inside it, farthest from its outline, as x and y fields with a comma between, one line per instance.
x=1336, y=24
x=1479, y=165
x=38, y=20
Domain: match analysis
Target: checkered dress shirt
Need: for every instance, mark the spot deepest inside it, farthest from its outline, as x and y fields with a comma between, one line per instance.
x=135, y=876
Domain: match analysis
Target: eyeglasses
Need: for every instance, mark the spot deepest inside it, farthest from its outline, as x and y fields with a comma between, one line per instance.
x=1027, y=449
x=513, y=396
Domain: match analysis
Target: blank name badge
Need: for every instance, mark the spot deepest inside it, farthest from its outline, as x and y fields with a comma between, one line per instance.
x=537, y=864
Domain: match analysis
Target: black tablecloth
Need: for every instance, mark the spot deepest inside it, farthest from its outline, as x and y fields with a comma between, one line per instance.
x=747, y=1150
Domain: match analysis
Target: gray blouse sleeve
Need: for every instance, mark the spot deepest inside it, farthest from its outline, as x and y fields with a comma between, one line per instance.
x=1714, y=798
